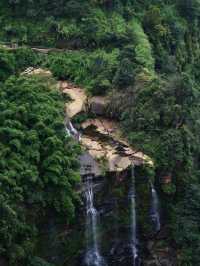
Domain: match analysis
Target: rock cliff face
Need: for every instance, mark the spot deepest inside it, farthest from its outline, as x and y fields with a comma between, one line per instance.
x=77, y=96
x=110, y=158
x=112, y=203
x=101, y=137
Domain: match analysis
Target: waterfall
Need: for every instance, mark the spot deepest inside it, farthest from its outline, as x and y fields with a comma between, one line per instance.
x=133, y=218
x=93, y=257
x=154, y=211
x=71, y=131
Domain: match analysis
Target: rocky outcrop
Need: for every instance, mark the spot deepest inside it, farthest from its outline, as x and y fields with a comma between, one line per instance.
x=98, y=105
x=101, y=137
x=105, y=147
x=103, y=140
x=77, y=96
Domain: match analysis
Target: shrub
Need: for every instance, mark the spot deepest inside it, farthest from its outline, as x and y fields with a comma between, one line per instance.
x=7, y=63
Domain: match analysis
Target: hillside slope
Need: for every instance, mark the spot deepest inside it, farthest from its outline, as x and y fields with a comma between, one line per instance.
x=145, y=57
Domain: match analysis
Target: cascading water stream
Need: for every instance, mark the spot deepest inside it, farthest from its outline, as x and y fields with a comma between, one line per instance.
x=133, y=218
x=155, y=209
x=93, y=257
x=71, y=131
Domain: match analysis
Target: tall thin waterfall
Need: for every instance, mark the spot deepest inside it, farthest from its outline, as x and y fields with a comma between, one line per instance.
x=155, y=208
x=133, y=218
x=93, y=257
x=71, y=131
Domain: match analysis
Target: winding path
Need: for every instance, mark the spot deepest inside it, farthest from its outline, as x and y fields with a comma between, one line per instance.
x=43, y=50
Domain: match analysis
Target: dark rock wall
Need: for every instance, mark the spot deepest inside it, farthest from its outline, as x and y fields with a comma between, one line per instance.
x=112, y=204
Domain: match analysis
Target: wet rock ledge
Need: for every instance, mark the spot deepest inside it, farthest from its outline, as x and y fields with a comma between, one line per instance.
x=106, y=150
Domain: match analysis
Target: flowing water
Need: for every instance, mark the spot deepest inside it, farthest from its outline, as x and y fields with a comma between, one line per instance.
x=71, y=131
x=155, y=209
x=93, y=257
x=133, y=219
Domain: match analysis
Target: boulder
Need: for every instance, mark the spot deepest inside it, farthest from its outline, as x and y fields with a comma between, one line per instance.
x=98, y=105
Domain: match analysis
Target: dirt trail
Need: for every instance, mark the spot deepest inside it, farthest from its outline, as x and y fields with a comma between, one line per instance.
x=43, y=50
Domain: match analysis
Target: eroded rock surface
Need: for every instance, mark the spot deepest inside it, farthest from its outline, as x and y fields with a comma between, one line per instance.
x=78, y=98
x=101, y=137
x=89, y=165
x=98, y=105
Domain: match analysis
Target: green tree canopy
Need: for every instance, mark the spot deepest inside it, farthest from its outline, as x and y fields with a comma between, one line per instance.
x=39, y=166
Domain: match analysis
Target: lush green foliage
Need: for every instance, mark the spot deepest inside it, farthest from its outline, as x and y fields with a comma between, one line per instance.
x=7, y=65
x=13, y=62
x=94, y=70
x=188, y=222
x=162, y=118
x=146, y=55
x=38, y=168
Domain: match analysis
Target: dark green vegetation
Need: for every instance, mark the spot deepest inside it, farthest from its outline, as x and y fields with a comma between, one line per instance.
x=146, y=55
x=38, y=167
x=14, y=62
